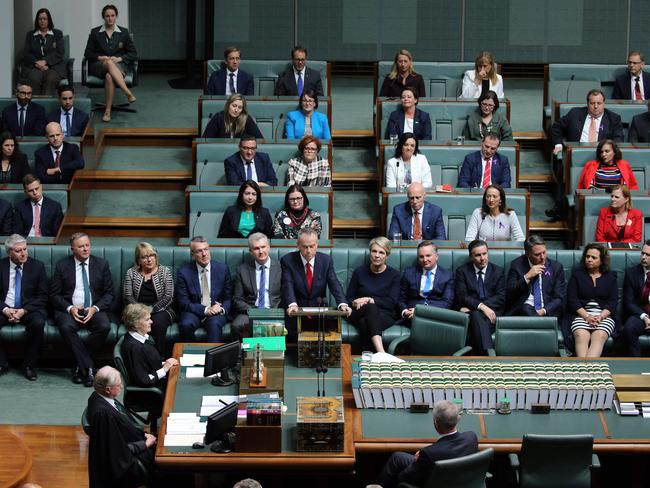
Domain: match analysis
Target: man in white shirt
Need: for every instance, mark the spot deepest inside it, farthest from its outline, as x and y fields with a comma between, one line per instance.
x=37, y=215
x=634, y=84
x=229, y=79
x=73, y=121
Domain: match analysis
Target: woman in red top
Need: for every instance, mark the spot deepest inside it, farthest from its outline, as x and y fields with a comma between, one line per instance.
x=609, y=169
x=619, y=222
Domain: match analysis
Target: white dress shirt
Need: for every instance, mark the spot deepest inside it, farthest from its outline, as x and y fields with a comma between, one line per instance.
x=531, y=299
x=253, y=171
x=32, y=231
x=10, y=299
x=633, y=86
x=423, y=278
x=62, y=119
x=78, y=295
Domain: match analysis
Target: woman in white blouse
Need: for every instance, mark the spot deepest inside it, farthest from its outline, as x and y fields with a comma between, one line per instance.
x=493, y=221
x=408, y=165
x=485, y=70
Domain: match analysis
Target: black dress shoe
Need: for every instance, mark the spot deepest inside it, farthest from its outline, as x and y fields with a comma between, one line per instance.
x=4, y=369
x=90, y=377
x=77, y=377
x=30, y=373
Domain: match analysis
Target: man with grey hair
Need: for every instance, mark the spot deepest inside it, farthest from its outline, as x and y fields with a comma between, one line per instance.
x=247, y=483
x=409, y=468
x=258, y=284
x=23, y=291
x=119, y=452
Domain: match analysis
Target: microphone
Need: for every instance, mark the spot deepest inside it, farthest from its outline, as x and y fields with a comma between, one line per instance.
x=275, y=135
x=205, y=163
x=568, y=87
x=319, y=363
x=198, y=216
x=276, y=176
x=397, y=175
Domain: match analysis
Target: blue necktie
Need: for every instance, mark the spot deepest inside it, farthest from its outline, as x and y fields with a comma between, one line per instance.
x=21, y=121
x=537, y=292
x=67, y=124
x=249, y=170
x=299, y=84
x=232, y=84
x=262, y=288
x=84, y=277
x=18, y=288
x=428, y=284
x=481, y=285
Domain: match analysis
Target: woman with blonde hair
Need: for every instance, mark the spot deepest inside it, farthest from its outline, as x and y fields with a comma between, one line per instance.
x=401, y=75
x=482, y=78
x=233, y=121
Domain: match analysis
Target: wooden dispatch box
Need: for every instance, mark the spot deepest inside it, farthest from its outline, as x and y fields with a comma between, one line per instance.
x=320, y=424
x=308, y=349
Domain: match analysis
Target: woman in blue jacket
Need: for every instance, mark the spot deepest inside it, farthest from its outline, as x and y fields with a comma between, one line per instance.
x=307, y=121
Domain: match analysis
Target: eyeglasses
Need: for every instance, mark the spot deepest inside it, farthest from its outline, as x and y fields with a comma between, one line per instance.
x=148, y=256
x=296, y=199
x=25, y=94
x=305, y=100
x=311, y=149
x=249, y=148
x=486, y=104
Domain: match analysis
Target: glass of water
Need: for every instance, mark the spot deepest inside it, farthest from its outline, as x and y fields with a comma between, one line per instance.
x=397, y=239
x=393, y=139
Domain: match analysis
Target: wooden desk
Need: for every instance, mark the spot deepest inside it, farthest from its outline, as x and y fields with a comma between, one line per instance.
x=297, y=382
x=15, y=460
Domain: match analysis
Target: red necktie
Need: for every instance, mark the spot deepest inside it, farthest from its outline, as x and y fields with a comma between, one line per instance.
x=57, y=161
x=637, y=90
x=645, y=293
x=37, y=220
x=310, y=276
x=487, y=174
x=417, y=226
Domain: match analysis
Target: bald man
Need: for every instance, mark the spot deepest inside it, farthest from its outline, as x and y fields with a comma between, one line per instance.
x=429, y=224
x=57, y=161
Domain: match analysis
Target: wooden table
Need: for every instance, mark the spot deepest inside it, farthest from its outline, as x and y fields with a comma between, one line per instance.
x=15, y=460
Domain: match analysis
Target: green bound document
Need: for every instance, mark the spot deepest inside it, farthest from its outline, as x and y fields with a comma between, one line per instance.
x=268, y=343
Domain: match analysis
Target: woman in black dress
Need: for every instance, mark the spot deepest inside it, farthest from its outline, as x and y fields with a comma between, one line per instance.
x=13, y=165
x=43, y=55
x=247, y=216
x=233, y=122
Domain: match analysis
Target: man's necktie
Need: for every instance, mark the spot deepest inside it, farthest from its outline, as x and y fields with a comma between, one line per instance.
x=428, y=284
x=637, y=89
x=18, y=288
x=537, y=292
x=481, y=285
x=417, y=226
x=487, y=174
x=593, y=130
x=67, y=124
x=37, y=220
x=645, y=294
x=249, y=170
x=57, y=160
x=261, y=291
x=310, y=276
x=205, y=289
x=232, y=84
x=21, y=121
x=86, y=283
x=299, y=83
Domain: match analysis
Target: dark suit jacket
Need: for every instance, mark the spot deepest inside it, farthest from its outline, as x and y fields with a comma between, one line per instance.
x=33, y=294
x=553, y=286
x=188, y=288
x=294, y=280
x=71, y=160
x=230, y=223
x=639, y=130
x=569, y=127
x=447, y=447
x=218, y=81
x=217, y=128
x=54, y=51
x=471, y=172
x=121, y=46
x=623, y=86
x=51, y=217
x=286, y=83
x=245, y=293
x=19, y=168
x=6, y=217
x=441, y=295
x=632, y=289
x=34, y=120
x=421, y=124
x=64, y=281
x=467, y=294
x=79, y=121
x=236, y=174
x=402, y=221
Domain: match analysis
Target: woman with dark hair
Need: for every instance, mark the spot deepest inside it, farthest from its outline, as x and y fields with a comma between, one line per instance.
x=14, y=163
x=111, y=54
x=408, y=118
x=309, y=169
x=494, y=221
x=295, y=215
x=401, y=75
x=233, y=121
x=306, y=121
x=592, y=301
x=43, y=55
x=608, y=169
x=482, y=78
x=247, y=216
x=619, y=222
x=486, y=120
x=408, y=165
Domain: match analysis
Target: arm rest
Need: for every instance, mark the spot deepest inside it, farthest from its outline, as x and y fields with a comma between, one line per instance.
x=462, y=351
x=491, y=352
x=396, y=342
x=595, y=462
x=514, y=465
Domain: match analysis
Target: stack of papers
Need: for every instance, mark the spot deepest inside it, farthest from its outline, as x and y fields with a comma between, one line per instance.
x=192, y=360
x=184, y=429
x=214, y=403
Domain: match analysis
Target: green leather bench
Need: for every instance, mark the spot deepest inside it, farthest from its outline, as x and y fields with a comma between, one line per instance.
x=29, y=146
x=265, y=73
x=51, y=104
x=441, y=80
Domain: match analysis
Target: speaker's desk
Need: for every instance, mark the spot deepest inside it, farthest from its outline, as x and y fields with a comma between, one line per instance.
x=184, y=395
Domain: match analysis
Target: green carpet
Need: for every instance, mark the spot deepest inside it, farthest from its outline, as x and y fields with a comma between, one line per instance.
x=124, y=158
x=354, y=159
x=143, y=203
x=526, y=100
x=352, y=103
x=355, y=205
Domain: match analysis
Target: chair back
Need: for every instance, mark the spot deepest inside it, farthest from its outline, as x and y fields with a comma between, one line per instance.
x=463, y=472
x=85, y=423
x=119, y=362
x=526, y=336
x=438, y=331
x=549, y=461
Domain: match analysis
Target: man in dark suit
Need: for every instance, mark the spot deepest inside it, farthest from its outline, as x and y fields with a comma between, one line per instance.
x=23, y=291
x=635, y=83
x=119, y=452
x=417, y=219
x=6, y=217
x=204, y=293
x=485, y=167
x=72, y=120
x=298, y=78
x=636, y=302
x=81, y=294
x=639, y=130
x=37, y=215
x=414, y=469
x=229, y=79
x=426, y=283
x=480, y=292
x=306, y=277
x=258, y=284
x=57, y=161
x=536, y=286
x=24, y=118
x=248, y=164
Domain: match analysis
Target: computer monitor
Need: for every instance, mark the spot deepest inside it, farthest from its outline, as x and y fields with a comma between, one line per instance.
x=220, y=424
x=221, y=359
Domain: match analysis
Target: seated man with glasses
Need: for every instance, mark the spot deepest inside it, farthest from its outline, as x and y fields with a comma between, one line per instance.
x=634, y=84
x=485, y=167
x=248, y=164
x=24, y=118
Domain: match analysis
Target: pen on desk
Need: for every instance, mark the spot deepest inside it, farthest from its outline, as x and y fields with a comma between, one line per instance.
x=226, y=404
